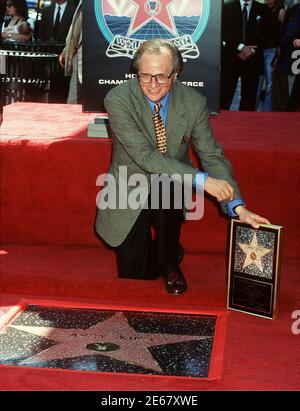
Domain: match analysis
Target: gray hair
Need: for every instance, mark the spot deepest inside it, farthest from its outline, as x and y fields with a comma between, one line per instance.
x=155, y=46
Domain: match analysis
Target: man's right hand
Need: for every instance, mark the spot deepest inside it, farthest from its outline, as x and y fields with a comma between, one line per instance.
x=247, y=52
x=61, y=59
x=220, y=189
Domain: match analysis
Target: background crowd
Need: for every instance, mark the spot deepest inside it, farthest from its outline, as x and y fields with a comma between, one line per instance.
x=259, y=39
x=258, y=44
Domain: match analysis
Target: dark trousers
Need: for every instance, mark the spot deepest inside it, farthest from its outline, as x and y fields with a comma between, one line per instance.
x=59, y=87
x=294, y=101
x=249, y=85
x=152, y=246
x=280, y=91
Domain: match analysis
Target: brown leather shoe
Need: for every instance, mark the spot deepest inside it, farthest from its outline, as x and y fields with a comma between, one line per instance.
x=175, y=282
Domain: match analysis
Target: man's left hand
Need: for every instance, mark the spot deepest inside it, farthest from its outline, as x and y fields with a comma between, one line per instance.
x=246, y=216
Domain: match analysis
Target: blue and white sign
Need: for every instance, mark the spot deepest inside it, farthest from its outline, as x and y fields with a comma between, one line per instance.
x=114, y=30
x=126, y=24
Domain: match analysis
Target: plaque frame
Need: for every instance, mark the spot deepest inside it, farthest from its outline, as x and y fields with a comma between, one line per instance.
x=263, y=302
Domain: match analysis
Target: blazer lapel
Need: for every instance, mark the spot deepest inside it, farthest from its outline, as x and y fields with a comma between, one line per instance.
x=143, y=110
x=51, y=14
x=51, y=19
x=176, y=122
x=66, y=17
x=252, y=15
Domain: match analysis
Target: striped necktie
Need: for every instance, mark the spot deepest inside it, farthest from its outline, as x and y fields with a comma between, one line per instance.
x=160, y=130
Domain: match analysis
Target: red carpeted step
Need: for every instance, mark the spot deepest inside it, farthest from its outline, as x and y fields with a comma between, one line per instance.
x=90, y=272
x=48, y=190
x=49, y=170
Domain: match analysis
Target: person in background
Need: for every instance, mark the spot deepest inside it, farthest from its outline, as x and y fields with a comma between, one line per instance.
x=54, y=26
x=276, y=16
x=294, y=100
x=283, y=76
x=244, y=25
x=18, y=29
x=71, y=57
x=55, y=21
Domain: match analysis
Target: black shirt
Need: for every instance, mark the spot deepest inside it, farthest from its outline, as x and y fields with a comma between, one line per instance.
x=274, y=29
x=2, y=10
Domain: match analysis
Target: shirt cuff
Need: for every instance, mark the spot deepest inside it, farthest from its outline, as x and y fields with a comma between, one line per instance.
x=241, y=46
x=201, y=180
x=232, y=204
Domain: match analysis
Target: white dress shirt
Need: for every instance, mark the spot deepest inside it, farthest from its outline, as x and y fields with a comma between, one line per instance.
x=242, y=2
x=62, y=10
x=249, y=5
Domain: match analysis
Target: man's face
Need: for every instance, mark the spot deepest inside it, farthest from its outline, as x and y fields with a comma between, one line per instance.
x=157, y=64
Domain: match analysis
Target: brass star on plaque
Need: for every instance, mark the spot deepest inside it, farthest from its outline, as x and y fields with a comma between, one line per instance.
x=254, y=253
x=113, y=338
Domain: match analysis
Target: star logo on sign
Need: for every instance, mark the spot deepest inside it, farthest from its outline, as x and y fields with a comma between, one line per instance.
x=113, y=338
x=155, y=10
x=254, y=253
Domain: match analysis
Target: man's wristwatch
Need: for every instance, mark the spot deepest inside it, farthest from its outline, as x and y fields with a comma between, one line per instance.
x=9, y=35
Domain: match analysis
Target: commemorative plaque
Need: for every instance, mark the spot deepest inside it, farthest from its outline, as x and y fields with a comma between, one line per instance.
x=254, y=269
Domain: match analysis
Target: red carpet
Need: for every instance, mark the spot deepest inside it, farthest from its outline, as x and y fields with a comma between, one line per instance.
x=259, y=354
x=47, y=143
x=48, y=173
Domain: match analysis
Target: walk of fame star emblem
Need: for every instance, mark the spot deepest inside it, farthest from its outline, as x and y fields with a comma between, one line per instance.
x=72, y=343
x=127, y=24
x=109, y=341
x=152, y=10
x=254, y=253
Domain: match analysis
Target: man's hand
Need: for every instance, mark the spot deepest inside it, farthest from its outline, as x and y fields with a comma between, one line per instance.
x=247, y=52
x=24, y=28
x=281, y=15
x=296, y=43
x=61, y=59
x=220, y=189
x=246, y=216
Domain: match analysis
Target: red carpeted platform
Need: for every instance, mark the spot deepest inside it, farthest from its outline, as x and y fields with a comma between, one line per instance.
x=48, y=190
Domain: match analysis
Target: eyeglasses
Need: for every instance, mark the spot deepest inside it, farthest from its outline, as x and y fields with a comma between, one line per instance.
x=146, y=78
